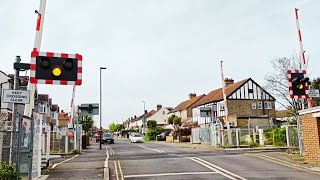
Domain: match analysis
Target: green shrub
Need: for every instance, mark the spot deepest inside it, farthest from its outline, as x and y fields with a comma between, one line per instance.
x=276, y=136
x=75, y=151
x=8, y=171
x=253, y=144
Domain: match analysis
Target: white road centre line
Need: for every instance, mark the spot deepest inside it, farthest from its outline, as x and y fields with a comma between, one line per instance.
x=55, y=165
x=169, y=174
x=120, y=170
x=116, y=169
x=144, y=147
x=221, y=169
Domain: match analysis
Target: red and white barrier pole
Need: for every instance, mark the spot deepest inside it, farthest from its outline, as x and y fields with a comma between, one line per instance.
x=303, y=58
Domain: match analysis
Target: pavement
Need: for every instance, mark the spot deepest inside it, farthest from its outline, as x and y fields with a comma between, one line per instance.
x=166, y=161
x=88, y=165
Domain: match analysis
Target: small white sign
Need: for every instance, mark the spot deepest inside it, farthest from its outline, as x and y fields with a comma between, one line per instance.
x=15, y=96
x=314, y=93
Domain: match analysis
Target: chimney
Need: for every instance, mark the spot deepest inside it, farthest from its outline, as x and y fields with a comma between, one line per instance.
x=228, y=81
x=159, y=106
x=62, y=111
x=192, y=95
x=145, y=111
x=135, y=117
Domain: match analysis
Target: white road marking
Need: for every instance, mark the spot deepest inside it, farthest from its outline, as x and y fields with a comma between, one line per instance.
x=55, y=165
x=213, y=169
x=144, y=147
x=116, y=169
x=169, y=174
x=106, y=166
x=111, y=150
x=220, y=170
x=120, y=169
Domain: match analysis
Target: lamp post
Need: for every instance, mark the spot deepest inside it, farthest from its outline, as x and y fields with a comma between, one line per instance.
x=144, y=115
x=100, y=114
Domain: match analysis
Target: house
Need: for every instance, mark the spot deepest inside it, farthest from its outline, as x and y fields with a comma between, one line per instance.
x=248, y=104
x=160, y=115
x=55, y=113
x=6, y=82
x=184, y=109
x=63, y=119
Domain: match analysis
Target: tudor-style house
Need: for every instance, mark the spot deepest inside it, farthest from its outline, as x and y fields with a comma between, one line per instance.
x=184, y=109
x=248, y=104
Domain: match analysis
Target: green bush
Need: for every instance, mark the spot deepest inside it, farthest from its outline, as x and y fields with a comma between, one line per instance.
x=253, y=144
x=75, y=151
x=8, y=171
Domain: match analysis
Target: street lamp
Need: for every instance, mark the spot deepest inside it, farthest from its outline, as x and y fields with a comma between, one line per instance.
x=144, y=115
x=100, y=114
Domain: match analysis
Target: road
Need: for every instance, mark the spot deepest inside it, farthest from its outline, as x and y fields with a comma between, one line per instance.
x=159, y=161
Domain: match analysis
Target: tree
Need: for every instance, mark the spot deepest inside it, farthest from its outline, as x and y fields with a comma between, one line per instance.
x=87, y=123
x=277, y=81
x=152, y=124
x=115, y=127
x=174, y=120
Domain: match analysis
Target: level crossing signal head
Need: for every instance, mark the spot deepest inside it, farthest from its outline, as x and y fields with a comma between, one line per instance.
x=56, y=68
x=298, y=84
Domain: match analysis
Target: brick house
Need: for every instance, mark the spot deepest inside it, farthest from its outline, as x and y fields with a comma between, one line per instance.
x=310, y=128
x=184, y=109
x=247, y=102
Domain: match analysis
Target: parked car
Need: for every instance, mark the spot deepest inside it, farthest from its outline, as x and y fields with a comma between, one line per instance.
x=107, y=137
x=136, y=138
x=162, y=136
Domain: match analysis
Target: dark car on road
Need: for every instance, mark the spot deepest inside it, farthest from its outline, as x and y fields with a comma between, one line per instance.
x=107, y=137
x=162, y=136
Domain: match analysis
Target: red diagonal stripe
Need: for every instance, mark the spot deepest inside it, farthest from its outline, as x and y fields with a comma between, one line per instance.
x=290, y=87
x=303, y=58
x=38, y=22
x=299, y=33
x=79, y=69
x=296, y=11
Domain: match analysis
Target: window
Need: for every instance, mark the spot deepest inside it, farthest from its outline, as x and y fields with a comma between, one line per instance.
x=222, y=106
x=267, y=105
x=254, y=105
x=259, y=105
x=250, y=90
x=165, y=120
x=163, y=112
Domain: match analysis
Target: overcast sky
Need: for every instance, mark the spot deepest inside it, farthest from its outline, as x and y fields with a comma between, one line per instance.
x=158, y=50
